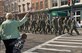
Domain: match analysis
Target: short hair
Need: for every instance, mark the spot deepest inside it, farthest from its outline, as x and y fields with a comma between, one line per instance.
x=9, y=16
x=24, y=36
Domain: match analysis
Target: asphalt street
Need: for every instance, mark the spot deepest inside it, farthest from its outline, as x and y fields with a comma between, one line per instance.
x=35, y=40
x=31, y=41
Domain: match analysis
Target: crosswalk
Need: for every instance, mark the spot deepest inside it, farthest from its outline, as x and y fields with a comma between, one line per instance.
x=60, y=44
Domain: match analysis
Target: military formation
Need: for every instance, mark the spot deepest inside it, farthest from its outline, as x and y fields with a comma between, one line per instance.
x=56, y=25
x=44, y=24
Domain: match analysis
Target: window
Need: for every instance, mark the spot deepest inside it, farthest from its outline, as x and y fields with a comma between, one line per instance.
x=19, y=0
x=46, y=3
x=12, y=7
x=33, y=5
x=6, y=8
x=78, y=12
x=23, y=7
x=15, y=6
x=54, y=3
x=28, y=6
x=23, y=0
x=78, y=19
x=74, y=13
x=37, y=5
x=36, y=0
x=64, y=2
x=77, y=1
x=41, y=4
x=19, y=8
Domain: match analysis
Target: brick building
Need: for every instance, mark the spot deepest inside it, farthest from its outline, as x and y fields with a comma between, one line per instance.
x=39, y=4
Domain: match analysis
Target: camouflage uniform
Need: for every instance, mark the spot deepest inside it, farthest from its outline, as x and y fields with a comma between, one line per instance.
x=55, y=25
x=73, y=26
x=60, y=22
x=48, y=29
x=33, y=25
x=65, y=25
x=42, y=24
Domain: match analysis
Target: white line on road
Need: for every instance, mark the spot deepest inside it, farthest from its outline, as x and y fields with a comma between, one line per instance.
x=68, y=40
x=65, y=42
x=36, y=47
x=80, y=38
x=30, y=52
x=54, y=45
x=50, y=49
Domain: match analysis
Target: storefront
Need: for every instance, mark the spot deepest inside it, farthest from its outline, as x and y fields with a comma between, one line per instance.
x=77, y=11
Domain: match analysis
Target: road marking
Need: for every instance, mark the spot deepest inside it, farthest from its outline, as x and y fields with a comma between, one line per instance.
x=68, y=40
x=30, y=52
x=62, y=42
x=60, y=50
x=65, y=42
x=36, y=47
x=54, y=45
x=71, y=38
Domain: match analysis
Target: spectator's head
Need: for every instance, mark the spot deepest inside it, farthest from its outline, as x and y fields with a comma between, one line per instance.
x=9, y=16
x=24, y=36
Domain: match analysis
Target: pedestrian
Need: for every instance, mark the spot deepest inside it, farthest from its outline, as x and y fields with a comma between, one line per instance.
x=18, y=44
x=74, y=27
x=9, y=30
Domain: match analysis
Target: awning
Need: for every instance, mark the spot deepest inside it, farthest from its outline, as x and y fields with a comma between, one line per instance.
x=58, y=13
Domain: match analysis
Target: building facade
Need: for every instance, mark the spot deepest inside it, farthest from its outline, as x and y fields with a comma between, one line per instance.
x=14, y=6
x=59, y=5
x=6, y=6
x=10, y=6
x=1, y=8
x=24, y=6
x=38, y=5
x=62, y=5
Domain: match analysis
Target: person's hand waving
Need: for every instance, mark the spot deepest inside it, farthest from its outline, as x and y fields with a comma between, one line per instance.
x=27, y=14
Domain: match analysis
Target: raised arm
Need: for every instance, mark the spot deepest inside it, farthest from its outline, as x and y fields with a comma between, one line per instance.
x=24, y=19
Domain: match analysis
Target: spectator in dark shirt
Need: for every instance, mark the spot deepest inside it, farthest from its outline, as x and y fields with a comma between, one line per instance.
x=18, y=44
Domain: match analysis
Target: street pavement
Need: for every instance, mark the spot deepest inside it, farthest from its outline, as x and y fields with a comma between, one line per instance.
x=47, y=43
x=32, y=41
x=61, y=44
